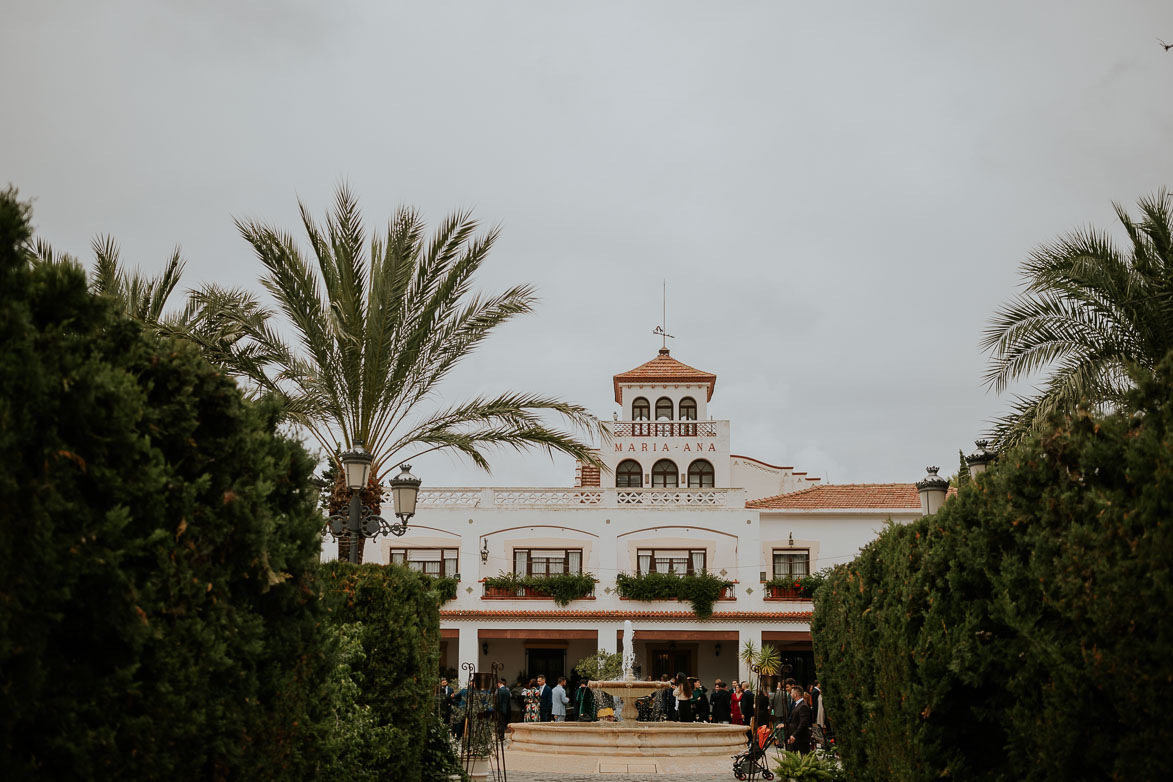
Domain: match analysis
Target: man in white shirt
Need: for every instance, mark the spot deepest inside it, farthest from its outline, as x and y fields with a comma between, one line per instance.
x=560, y=701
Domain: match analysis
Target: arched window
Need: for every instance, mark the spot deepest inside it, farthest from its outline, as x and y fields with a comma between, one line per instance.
x=641, y=410
x=663, y=409
x=629, y=475
x=700, y=475
x=664, y=475
x=688, y=409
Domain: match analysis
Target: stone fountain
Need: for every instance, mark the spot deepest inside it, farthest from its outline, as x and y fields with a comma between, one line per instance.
x=628, y=737
x=627, y=688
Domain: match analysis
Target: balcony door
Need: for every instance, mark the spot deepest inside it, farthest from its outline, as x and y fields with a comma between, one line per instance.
x=550, y=663
x=671, y=660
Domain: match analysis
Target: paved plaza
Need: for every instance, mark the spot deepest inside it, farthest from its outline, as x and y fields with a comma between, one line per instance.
x=555, y=776
x=536, y=767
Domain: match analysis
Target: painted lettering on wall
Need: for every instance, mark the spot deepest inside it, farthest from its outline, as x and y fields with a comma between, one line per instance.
x=664, y=447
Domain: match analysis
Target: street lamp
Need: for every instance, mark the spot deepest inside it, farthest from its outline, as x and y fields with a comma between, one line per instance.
x=405, y=490
x=360, y=522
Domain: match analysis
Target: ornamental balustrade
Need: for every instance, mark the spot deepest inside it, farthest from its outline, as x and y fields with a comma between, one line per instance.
x=664, y=428
x=578, y=498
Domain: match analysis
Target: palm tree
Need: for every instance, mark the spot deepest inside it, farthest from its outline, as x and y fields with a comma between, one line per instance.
x=377, y=327
x=143, y=298
x=1090, y=314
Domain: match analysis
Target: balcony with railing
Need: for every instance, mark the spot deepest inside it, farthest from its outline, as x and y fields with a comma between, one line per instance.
x=664, y=428
x=580, y=498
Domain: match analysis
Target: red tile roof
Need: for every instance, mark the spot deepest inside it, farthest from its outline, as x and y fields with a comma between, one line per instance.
x=664, y=369
x=785, y=616
x=847, y=495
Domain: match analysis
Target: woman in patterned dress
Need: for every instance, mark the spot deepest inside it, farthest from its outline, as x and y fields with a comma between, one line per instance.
x=532, y=705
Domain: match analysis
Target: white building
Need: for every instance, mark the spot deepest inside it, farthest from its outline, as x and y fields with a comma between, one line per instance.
x=673, y=497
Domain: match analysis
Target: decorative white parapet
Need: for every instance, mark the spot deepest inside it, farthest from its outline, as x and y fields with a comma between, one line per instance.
x=580, y=498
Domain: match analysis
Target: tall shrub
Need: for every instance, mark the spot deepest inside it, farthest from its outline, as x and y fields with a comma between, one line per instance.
x=158, y=540
x=393, y=615
x=1023, y=631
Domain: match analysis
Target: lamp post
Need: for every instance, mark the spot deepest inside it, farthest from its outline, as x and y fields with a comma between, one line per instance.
x=360, y=523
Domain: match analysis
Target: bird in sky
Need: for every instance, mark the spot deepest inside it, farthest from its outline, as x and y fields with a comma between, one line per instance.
x=1167, y=46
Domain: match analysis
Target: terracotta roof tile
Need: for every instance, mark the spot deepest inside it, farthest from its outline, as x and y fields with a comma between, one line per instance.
x=787, y=616
x=847, y=495
x=665, y=370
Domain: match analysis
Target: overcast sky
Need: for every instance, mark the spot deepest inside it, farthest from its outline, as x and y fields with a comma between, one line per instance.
x=838, y=193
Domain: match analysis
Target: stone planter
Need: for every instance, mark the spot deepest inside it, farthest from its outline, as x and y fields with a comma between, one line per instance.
x=478, y=769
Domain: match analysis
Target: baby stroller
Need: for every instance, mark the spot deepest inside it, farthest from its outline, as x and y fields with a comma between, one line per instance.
x=755, y=760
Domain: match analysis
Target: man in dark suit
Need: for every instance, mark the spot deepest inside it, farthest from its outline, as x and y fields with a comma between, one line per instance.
x=444, y=694
x=545, y=700
x=798, y=730
x=747, y=701
x=721, y=702
x=503, y=708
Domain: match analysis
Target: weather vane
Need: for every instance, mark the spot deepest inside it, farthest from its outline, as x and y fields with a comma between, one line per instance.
x=662, y=330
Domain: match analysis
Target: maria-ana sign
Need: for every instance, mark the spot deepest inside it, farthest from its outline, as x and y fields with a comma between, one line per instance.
x=665, y=447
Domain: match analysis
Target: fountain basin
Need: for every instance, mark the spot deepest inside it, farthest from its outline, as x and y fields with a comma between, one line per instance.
x=643, y=739
x=629, y=690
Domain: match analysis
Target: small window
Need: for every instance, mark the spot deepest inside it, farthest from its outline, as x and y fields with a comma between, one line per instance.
x=665, y=475
x=430, y=561
x=546, y=562
x=629, y=475
x=678, y=561
x=700, y=475
x=688, y=409
x=663, y=409
x=641, y=410
x=792, y=563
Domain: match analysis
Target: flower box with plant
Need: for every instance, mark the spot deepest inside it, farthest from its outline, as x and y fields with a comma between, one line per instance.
x=702, y=589
x=561, y=587
x=445, y=586
x=794, y=587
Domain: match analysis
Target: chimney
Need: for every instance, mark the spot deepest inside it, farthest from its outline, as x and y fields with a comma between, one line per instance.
x=932, y=489
x=979, y=459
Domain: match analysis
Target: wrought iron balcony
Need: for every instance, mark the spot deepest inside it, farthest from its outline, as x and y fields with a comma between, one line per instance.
x=664, y=428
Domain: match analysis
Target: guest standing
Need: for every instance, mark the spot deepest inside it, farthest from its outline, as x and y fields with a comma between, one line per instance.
x=799, y=728
x=700, y=701
x=736, y=704
x=532, y=697
x=504, y=708
x=747, y=702
x=559, y=701
x=667, y=702
x=545, y=700
x=584, y=702
x=683, y=694
x=721, y=703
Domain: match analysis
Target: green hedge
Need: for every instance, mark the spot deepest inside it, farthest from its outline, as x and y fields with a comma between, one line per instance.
x=1022, y=632
x=158, y=545
x=701, y=590
x=392, y=614
x=161, y=604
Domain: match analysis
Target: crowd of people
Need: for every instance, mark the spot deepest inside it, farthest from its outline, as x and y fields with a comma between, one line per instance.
x=788, y=707
x=795, y=713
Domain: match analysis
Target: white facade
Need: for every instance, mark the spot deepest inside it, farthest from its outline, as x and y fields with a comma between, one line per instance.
x=721, y=522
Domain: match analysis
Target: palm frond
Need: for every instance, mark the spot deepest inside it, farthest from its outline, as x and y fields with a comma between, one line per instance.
x=377, y=329
x=1089, y=312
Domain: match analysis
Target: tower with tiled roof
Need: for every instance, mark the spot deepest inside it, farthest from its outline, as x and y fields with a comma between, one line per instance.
x=664, y=437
